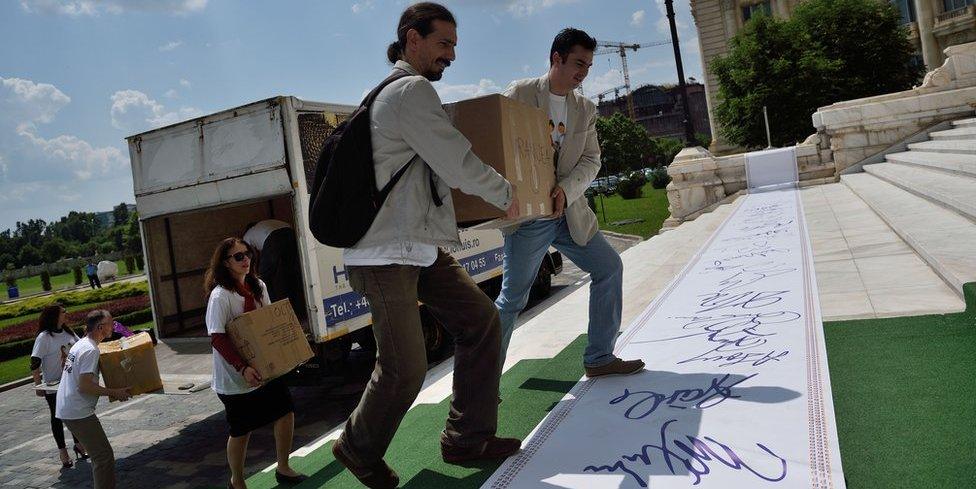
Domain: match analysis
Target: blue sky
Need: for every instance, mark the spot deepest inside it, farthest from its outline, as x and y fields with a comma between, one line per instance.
x=77, y=77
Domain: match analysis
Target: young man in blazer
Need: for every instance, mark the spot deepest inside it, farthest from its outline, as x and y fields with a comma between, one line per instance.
x=572, y=228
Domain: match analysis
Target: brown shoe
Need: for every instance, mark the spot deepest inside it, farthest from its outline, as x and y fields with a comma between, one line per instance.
x=377, y=476
x=493, y=449
x=616, y=367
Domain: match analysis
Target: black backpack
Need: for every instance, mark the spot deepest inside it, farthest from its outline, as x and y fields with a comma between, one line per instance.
x=344, y=200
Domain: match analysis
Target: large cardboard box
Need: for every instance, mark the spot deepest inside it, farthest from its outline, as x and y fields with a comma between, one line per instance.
x=130, y=362
x=513, y=138
x=270, y=339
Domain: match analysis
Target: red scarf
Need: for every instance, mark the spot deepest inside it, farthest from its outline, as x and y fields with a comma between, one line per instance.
x=245, y=291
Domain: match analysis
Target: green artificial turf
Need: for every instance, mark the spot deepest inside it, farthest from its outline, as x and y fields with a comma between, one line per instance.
x=652, y=207
x=529, y=390
x=905, y=399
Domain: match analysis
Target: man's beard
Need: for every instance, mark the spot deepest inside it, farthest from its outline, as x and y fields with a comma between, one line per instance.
x=436, y=75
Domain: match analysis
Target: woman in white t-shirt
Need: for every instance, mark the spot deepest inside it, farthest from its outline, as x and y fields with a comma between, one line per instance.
x=249, y=403
x=54, y=340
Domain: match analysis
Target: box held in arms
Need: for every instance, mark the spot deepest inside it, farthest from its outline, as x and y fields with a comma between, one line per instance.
x=130, y=362
x=270, y=339
x=514, y=139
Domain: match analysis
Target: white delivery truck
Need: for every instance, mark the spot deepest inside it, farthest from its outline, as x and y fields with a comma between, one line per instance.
x=202, y=180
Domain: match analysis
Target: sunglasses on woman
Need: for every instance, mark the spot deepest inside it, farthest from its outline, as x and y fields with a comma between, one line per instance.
x=240, y=255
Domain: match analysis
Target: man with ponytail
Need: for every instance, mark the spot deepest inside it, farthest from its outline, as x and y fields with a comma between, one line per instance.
x=399, y=261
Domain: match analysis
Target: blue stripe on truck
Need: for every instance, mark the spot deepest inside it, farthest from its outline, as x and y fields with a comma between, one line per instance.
x=350, y=305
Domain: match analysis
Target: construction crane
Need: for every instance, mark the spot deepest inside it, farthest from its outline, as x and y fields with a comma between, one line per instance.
x=614, y=47
x=615, y=90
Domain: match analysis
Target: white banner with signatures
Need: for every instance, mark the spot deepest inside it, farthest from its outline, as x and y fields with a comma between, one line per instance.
x=736, y=393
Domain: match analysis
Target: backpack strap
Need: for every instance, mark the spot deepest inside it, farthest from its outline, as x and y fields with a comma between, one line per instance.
x=380, y=197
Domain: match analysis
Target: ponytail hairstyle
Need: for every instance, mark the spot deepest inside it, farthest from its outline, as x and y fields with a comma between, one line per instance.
x=420, y=17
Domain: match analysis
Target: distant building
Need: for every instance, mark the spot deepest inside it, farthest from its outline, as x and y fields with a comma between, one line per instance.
x=933, y=25
x=107, y=219
x=659, y=110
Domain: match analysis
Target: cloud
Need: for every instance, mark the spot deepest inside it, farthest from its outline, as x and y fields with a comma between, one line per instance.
x=26, y=101
x=637, y=18
x=525, y=8
x=84, y=159
x=185, y=83
x=681, y=18
x=78, y=8
x=611, y=79
x=361, y=6
x=171, y=94
x=453, y=93
x=170, y=46
x=133, y=111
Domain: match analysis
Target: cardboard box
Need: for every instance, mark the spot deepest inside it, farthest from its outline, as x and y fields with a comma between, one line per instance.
x=130, y=362
x=270, y=339
x=513, y=138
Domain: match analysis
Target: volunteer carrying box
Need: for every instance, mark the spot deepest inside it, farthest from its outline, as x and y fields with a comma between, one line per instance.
x=270, y=339
x=130, y=362
x=513, y=138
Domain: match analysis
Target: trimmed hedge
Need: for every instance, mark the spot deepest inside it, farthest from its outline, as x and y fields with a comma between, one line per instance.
x=105, y=294
x=16, y=349
x=137, y=317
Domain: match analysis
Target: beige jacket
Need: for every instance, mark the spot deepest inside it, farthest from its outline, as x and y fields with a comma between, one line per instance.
x=407, y=119
x=579, y=156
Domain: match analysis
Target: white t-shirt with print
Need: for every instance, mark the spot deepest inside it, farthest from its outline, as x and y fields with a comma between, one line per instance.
x=52, y=349
x=71, y=402
x=557, y=120
x=223, y=307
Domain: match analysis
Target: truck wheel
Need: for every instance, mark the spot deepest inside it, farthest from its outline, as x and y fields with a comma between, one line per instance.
x=543, y=282
x=334, y=354
x=437, y=341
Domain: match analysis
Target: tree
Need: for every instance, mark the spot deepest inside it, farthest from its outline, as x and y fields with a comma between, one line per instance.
x=624, y=144
x=665, y=149
x=53, y=250
x=133, y=239
x=117, y=239
x=828, y=51
x=29, y=256
x=120, y=214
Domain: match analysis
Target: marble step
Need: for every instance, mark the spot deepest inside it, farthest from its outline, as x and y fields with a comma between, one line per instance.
x=959, y=133
x=943, y=238
x=953, y=163
x=954, y=192
x=958, y=147
x=971, y=122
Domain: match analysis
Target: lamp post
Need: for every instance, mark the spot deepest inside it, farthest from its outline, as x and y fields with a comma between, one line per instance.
x=689, y=129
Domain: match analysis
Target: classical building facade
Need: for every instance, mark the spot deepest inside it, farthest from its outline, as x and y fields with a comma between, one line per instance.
x=933, y=26
x=658, y=109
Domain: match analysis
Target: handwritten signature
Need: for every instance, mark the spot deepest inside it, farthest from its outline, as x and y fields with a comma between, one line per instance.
x=695, y=456
x=646, y=402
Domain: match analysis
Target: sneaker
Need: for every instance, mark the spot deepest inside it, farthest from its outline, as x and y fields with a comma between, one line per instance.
x=616, y=367
x=377, y=476
x=493, y=449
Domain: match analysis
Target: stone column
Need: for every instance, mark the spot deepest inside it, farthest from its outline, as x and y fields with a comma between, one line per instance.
x=926, y=10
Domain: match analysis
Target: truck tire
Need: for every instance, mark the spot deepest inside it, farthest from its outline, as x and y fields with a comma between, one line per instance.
x=542, y=286
x=438, y=343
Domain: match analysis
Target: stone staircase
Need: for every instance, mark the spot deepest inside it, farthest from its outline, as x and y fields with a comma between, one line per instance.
x=927, y=195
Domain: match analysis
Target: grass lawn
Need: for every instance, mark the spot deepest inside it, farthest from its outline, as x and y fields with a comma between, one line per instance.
x=32, y=285
x=18, y=368
x=652, y=207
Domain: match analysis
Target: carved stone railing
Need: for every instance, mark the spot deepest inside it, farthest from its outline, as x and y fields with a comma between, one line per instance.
x=848, y=133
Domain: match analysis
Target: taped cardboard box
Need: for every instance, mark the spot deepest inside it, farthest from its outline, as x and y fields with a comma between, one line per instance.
x=130, y=362
x=270, y=339
x=513, y=138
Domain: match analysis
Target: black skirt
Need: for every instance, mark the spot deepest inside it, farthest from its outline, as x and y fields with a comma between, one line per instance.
x=250, y=411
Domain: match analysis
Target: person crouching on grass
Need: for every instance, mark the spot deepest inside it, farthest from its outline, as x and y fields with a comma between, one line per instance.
x=249, y=402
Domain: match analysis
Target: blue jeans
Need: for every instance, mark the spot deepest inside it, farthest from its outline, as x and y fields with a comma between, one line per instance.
x=524, y=250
